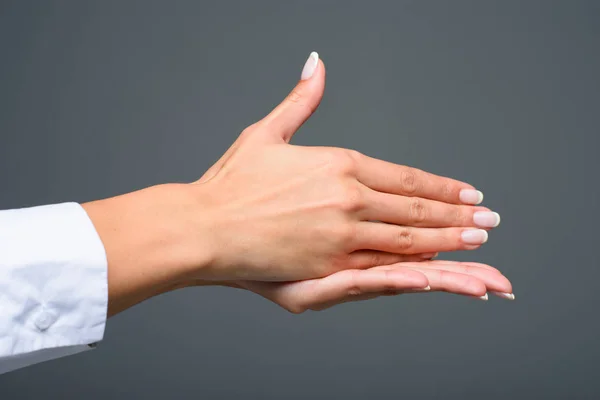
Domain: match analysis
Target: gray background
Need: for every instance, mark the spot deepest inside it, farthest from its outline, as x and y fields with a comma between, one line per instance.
x=102, y=98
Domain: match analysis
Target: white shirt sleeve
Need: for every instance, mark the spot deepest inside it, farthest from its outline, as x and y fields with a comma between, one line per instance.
x=53, y=284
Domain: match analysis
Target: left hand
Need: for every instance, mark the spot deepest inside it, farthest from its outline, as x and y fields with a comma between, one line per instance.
x=463, y=278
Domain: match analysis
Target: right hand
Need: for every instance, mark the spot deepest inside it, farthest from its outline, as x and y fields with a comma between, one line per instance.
x=278, y=212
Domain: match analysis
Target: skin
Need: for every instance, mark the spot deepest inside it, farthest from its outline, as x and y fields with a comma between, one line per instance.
x=304, y=227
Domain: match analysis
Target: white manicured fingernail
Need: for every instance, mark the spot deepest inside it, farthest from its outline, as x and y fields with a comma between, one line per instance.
x=470, y=196
x=425, y=289
x=486, y=219
x=310, y=66
x=484, y=297
x=507, y=296
x=474, y=236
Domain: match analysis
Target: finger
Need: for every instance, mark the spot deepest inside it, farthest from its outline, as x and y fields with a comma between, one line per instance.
x=351, y=285
x=416, y=211
x=302, y=101
x=443, y=281
x=508, y=294
x=492, y=278
x=369, y=258
x=392, y=178
x=452, y=282
x=474, y=264
x=409, y=240
x=495, y=282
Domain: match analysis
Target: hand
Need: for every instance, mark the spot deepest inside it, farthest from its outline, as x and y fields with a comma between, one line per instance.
x=278, y=212
x=463, y=278
x=270, y=211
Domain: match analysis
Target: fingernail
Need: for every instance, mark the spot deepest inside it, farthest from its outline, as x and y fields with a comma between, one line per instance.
x=486, y=219
x=484, y=297
x=470, y=196
x=507, y=296
x=428, y=255
x=310, y=66
x=425, y=289
x=474, y=236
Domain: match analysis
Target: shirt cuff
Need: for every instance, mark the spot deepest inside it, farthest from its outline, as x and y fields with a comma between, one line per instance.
x=53, y=284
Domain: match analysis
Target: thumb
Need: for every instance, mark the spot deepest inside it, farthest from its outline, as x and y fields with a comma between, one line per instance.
x=302, y=101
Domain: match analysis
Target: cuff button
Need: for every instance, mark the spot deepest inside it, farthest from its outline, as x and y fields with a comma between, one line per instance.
x=45, y=320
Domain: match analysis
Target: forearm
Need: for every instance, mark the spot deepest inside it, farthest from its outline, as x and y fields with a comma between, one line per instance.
x=150, y=237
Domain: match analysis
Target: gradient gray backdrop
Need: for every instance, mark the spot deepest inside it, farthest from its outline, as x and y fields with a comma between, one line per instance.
x=99, y=98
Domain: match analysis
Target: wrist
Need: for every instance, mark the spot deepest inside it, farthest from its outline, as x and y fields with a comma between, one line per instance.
x=154, y=241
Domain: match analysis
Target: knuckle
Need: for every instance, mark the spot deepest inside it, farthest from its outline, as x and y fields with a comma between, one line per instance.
x=354, y=155
x=379, y=259
x=294, y=96
x=342, y=161
x=409, y=180
x=459, y=216
x=447, y=189
x=456, y=215
x=375, y=259
x=299, y=99
x=417, y=210
x=346, y=233
x=245, y=135
x=350, y=198
x=250, y=128
x=353, y=289
x=404, y=239
x=341, y=234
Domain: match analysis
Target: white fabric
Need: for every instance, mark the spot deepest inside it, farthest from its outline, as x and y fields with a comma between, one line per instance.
x=53, y=284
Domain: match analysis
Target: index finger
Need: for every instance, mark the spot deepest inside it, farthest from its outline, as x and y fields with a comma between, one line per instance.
x=392, y=178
